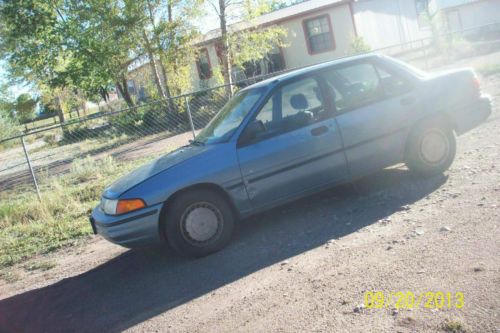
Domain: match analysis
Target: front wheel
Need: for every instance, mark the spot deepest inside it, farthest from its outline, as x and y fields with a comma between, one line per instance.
x=431, y=148
x=198, y=223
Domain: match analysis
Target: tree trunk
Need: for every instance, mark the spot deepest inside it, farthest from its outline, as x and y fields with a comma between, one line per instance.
x=167, y=95
x=122, y=88
x=154, y=68
x=60, y=112
x=226, y=59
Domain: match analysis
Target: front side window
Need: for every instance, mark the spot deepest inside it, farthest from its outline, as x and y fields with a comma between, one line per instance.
x=229, y=118
x=293, y=106
x=318, y=34
x=203, y=64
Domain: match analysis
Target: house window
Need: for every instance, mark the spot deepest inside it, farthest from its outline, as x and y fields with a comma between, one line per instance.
x=422, y=8
x=318, y=34
x=203, y=65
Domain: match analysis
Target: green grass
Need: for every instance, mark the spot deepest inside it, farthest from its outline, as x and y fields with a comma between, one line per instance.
x=488, y=70
x=29, y=227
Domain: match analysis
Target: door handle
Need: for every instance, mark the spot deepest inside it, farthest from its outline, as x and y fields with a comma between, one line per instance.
x=319, y=130
x=408, y=100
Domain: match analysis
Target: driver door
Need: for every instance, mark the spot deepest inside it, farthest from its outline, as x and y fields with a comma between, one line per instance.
x=300, y=149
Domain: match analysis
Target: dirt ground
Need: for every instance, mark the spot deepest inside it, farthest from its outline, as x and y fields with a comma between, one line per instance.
x=301, y=267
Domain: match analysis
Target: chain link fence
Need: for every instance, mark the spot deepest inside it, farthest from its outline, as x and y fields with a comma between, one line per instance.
x=137, y=134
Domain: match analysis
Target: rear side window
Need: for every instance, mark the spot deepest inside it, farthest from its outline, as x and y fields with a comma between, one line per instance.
x=354, y=86
x=392, y=83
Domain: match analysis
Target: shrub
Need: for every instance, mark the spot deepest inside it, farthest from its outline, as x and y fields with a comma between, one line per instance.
x=359, y=46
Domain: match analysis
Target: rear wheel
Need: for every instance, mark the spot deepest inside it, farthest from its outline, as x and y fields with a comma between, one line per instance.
x=431, y=148
x=199, y=223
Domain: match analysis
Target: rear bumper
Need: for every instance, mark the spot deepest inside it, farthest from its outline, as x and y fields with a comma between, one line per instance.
x=130, y=230
x=473, y=115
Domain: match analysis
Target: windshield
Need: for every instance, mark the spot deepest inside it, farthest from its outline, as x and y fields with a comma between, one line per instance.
x=223, y=125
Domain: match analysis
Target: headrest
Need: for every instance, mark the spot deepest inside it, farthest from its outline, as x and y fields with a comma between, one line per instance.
x=299, y=102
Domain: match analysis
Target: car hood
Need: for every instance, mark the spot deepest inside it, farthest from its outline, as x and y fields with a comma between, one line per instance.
x=151, y=169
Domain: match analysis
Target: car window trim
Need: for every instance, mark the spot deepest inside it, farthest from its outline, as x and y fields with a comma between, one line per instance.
x=314, y=75
x=383, y=96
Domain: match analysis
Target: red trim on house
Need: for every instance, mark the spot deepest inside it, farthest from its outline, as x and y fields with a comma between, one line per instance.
x=209, y=65
x=306, y=35
x=351, y=10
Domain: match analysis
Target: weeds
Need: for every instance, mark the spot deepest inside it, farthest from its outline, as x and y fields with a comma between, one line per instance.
x=39, y=265
x=454, y=327
x=9, y=277
x=29, y=227
x=87, y=168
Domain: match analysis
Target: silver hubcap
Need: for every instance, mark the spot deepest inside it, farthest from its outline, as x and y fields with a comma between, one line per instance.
x=201, y=222
x=434, y=147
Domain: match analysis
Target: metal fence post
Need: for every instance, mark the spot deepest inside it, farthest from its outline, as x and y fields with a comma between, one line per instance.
x=188, y=109
x=31, y=169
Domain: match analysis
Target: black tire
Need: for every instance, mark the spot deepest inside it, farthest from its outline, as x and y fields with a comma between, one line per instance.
x=186, y=239
x=431, y=147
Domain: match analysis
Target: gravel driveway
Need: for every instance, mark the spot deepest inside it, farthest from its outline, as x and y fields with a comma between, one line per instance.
x=301, y=267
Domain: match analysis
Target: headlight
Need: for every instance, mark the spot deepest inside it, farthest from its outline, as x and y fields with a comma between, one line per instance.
x=109, y=206
x=117, y=207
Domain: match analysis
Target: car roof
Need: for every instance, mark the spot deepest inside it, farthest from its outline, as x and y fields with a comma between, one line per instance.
x=298, y=72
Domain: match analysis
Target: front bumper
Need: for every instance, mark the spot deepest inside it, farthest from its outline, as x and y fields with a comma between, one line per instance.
x=134, y=229
x=472, y=115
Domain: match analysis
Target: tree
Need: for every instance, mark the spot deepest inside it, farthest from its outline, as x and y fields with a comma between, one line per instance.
x=70, y=45
x=245, y=41
x=168, y=36
x=88, y=46
x=25, y=107
x=6, y=103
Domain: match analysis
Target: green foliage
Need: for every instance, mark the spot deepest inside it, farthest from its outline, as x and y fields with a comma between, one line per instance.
x=248, y=42
x=25, y=107
x=359, y=46
x=254, y=44
x=80, y=49
x=7, y=104
x=8, y=127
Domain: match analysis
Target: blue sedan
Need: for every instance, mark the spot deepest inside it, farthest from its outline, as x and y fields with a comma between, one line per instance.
x=286, y=138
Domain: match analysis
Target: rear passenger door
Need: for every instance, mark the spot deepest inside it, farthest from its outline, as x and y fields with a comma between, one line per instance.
x=300, y=149
x=374, y=105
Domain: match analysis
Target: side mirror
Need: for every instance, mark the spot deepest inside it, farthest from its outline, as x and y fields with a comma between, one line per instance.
x=251, y=131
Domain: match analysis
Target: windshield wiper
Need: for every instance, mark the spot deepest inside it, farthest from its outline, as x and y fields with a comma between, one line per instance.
x=197, y=143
